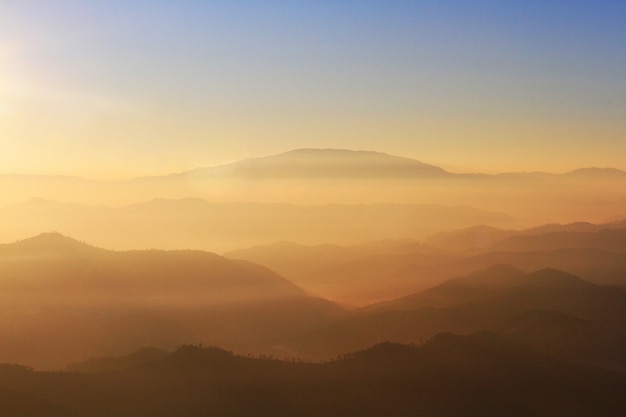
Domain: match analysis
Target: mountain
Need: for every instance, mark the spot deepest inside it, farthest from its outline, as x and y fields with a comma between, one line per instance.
x=484, y=373
x=322, y=163
x=594, y=265
x=469, y=239
x=506, y=288
x=613, y=240
x=597, y=172
x=354, y=274
x=483, y=238
x=51, y=244
x=331, y=176
x=484, y=300
x=53, y=262
x=63, y=299
x=361, y=275
x=474, y=288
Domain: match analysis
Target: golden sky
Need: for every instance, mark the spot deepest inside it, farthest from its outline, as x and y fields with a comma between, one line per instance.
x=119, y=89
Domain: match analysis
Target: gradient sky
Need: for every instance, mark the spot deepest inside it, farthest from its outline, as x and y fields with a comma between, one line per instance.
x=120, y=88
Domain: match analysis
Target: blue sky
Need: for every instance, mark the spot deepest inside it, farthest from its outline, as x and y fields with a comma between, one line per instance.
x=123, y=88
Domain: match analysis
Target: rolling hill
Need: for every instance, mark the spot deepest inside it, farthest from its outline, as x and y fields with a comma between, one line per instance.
x=62, y=299
x=484, y=300
x=483, y=372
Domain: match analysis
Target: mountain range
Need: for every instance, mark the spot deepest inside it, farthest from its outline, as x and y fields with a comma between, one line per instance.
x=541, y=343
x=502, y=299
x=339, y=163
x=320, y=163
x=392, y=268
x=474, y=375
x=332, y=176
x=63, y=299
x=352, y=283
x=93, y=302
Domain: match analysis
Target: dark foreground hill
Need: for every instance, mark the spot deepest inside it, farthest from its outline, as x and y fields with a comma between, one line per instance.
x=481, y=374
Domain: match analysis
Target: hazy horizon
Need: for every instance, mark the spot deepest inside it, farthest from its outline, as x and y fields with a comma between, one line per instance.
x=218, y=164
x=120, y=90
x=311, y=208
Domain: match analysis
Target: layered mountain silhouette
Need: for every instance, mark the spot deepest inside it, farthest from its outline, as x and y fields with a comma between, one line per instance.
x=367, y=273
x=594, y=265
x=92, y=301
x=486, y=300
x=47, y=245
x=515, y=304
x=483, y=373
x=613, y=240
x=356, y=274
x=327, y=176
x=547, y=236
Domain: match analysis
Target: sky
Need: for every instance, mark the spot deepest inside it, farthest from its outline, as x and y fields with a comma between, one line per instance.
x=118, y=88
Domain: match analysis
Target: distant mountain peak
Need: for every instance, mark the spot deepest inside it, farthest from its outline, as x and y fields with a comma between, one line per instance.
x=49, y=243
x=323, y=163
x=596, y=172
x=551, y=277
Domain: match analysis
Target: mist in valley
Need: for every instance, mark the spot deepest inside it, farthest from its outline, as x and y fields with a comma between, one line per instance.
x=424, y=295
x=312, y=209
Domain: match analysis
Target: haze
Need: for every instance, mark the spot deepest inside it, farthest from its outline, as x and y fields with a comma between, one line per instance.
x=118, y=89
x=316, y=208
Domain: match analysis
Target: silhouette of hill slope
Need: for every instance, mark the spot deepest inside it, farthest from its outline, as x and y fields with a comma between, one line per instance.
x=474, y=288
x=607, y=239
x=594, y=265
x=356, y=274
x=484, y=374
x=470, y=238
x=54, y=262
x=46, y=245
x=508, y=288
x=485, y=300
x=94, y=302
x=597, y=172
x=483, y=237
x=581, y=227
x=363, y=275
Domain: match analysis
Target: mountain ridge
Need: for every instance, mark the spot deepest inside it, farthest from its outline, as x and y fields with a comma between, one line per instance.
x=483, y=372
x=321, y=163
x=331, y=153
